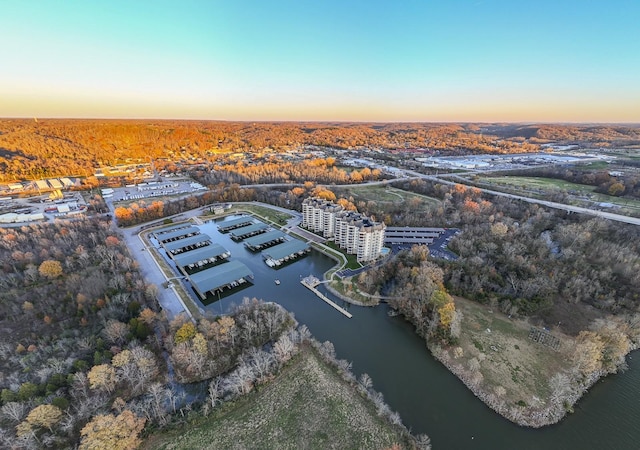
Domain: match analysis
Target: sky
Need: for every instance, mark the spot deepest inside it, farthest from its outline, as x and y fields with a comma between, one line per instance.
x=323, y=60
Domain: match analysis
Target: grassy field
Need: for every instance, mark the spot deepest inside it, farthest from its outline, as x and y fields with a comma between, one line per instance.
x=386, y=194
x=307, y=406
x=506, y=355
x=529, y=185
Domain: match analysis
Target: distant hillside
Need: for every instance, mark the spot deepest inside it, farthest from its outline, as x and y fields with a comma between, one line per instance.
x=55, y=147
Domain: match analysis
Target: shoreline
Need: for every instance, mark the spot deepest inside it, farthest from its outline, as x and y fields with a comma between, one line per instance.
x=531, y=418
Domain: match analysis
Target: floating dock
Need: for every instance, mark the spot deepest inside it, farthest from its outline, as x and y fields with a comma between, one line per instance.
x=311, y=282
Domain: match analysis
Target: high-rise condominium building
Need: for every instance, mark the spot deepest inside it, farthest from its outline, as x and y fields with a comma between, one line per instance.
x=354, y=232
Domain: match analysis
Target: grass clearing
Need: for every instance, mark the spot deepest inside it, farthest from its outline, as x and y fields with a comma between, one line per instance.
x=538, y=185
x=307, y=405
x=507, y=357
x=270, y=215
x=386, y=194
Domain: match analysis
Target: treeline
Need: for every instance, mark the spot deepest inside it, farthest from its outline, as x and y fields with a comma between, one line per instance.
x=272, y=170
x=415, y=287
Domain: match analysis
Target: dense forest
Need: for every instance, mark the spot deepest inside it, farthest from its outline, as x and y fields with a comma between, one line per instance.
x=56, y=147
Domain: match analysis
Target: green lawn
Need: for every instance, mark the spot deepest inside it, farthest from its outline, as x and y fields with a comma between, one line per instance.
x=533, y=185
x=352, y=260
x=307, y=406
x=385, y=194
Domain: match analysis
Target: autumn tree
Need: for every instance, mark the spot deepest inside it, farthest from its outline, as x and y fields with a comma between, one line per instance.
x=50, y=269
x=102, y=376
x=109, y=432
x=42, y=416
x=185, y=333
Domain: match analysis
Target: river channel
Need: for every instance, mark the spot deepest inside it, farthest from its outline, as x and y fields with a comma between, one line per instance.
x=428, y=397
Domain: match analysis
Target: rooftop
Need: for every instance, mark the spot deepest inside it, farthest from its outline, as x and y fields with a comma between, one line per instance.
x=234, y=222
x=177, y=233
x=248, y=229
x=186, y=242
x=199, y=254
x=285, y=249
x=264, y=238
x=219, y=276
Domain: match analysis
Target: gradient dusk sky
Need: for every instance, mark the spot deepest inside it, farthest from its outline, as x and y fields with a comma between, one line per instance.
x=405, y=60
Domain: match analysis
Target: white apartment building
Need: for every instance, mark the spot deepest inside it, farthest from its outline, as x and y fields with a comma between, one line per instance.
x=354, y=232
x=319, y=215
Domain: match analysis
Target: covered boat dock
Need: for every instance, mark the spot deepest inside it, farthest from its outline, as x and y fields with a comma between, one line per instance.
x=172, y=227
x=203, y=257
x=229, y=225
x=242, y=233
x=177, y=235
x=184, y=245
x=266, y=240
x=285, y=252
x=219, y=278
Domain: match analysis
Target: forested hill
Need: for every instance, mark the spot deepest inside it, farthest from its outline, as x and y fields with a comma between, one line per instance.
x=31, y=149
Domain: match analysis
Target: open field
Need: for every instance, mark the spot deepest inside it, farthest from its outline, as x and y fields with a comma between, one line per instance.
x=385, y=194
x=510, y=363
x=533, y=185
x=307, y=406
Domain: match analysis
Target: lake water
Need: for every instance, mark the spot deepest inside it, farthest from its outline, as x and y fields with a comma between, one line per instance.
x=428, y=397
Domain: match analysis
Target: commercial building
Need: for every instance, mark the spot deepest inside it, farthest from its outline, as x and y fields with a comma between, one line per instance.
x=354, y=232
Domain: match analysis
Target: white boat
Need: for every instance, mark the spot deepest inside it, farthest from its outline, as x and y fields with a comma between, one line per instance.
x=277, y=281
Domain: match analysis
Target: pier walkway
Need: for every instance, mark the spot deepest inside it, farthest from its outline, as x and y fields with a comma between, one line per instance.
x=311, y=282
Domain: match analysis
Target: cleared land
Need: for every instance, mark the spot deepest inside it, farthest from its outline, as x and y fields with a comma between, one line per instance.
x=505, y=356
x=386, y=194
x=307, y=406
x=535, y=185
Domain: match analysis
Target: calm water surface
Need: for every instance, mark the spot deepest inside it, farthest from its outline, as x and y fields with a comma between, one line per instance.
x=428, y=397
